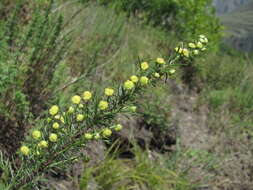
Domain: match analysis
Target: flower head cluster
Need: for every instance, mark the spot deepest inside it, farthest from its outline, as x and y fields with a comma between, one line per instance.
x=194, y=47
x=109, y=91
x=144, y=66
x=128, y=85
x=87, y=95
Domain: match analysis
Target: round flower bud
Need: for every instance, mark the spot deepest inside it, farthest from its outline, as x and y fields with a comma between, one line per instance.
x=134, y=79
x=172, y=71
x=144, y=66
x=56, y=125
x=192, y=45
x=87, y=95
x=160, y=61
x=62, y=119
x=24, y=150
x=80, y=105
x=97, y=136
x=53, y=137
x=157, y=75
x=57, y=117
x=144, y=80
x=196, y=52
x=36, y=134
x=88, y=136
x=199, y=45
x=109, y=91
x=128, y=85
x=107, y=132
x=132, y=108
x=179, y=50
x=185, y=52
x=43, y=144
x=71, y=110
x=202, y=36
x=54, y=110
x=103, y=105
x=80, y=117
x=118, y=127
x=76, y=99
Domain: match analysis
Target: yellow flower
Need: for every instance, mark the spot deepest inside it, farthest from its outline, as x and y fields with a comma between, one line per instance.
x=24, y=150
x=76, y=99
x=103, y=105
x=87, y=95
x=53, y=137
x=185, y=52
x=178, y=50
x=196, y=52
x=172, y=71
x=54, y=110
x=199, y=45
x=203, y=39
x=160, y=61
x=144, y=80
x=62, y=119
x=144, y=66
x=80, y=117
x=88, y=136
x=109, y=91
x=134, y=79
x=118, y=127
x=56, y=125
x=157, y=75
x=107, y=132
x=71, y=110
x=97, y=136
x=192, y=45
x=128, y=85
x=80, y=105
x=36, y=134
x=43, y=144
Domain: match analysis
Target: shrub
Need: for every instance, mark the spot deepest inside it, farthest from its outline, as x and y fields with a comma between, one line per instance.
x=30, y=49
x=186, y=18
x=54, y=140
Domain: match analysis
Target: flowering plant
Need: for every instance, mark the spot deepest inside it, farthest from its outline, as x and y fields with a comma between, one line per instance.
x=56, y=139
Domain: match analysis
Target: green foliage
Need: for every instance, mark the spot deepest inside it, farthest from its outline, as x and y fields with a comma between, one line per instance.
x=186, y=18
x=139, y=173
x=32, y=44
x=32, y=52
x=219, y=71
x=154, y=110
x=217, y=98
x=228, y=81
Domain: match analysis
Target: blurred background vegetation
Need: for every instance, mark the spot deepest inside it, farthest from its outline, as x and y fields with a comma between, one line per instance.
x=50, y=50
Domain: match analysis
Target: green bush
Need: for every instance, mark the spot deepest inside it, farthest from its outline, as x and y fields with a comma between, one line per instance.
x=30, y=50
x=186, y=18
